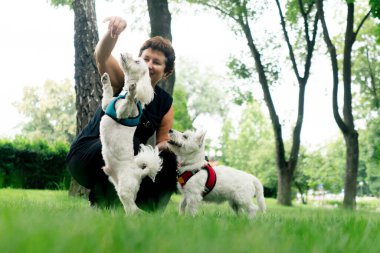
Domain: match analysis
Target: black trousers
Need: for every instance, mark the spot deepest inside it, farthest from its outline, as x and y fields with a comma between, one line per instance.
x=85, y=162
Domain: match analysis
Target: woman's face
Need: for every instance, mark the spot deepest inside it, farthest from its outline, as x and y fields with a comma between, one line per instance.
x=156, y=63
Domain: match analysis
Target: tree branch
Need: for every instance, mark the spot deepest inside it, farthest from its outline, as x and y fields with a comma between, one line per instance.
x=291, y=52
x=221, y=11
x=373, y=88
x=334, y=62
x=361, y=24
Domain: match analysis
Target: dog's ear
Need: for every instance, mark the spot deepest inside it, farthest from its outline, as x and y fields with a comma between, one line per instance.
x=201, y=137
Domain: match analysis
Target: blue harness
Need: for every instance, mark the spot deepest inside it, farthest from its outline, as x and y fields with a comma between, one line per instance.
x=111, y=111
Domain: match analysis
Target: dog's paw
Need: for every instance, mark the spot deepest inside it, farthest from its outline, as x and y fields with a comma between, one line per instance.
x=132, y=89
x=105, y=79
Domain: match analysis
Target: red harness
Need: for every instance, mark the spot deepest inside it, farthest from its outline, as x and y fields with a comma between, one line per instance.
x=211, y=178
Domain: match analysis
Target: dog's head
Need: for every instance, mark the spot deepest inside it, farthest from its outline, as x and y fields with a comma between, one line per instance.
x=188, y=143
x=136, y=71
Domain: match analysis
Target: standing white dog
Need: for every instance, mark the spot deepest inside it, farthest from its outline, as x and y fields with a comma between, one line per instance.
x=117, y=128
x=197, y=181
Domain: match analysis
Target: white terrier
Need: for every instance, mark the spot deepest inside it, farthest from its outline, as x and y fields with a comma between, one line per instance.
x=117, y=128
x=195, y=178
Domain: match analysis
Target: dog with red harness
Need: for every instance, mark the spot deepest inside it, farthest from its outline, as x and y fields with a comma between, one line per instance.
x=198, y=181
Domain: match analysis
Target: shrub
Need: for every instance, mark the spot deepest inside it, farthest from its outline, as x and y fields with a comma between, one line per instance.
x=33, y=164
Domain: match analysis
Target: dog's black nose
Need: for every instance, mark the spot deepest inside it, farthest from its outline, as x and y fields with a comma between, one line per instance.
x=170, y=131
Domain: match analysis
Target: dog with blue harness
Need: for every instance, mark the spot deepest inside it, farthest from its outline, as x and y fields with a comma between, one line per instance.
x=117, y=127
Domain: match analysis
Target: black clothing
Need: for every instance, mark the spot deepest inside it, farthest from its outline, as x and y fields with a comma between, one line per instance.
x=85, y=160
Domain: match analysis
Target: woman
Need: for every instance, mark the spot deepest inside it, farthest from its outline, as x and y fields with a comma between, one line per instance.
x=85, y=160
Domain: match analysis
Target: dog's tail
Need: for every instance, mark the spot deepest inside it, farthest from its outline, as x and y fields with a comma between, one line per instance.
x=149, y=161
x=259, y=194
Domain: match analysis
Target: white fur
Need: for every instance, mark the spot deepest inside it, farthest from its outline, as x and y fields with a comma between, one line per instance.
x=232, y=185
x=125, y=170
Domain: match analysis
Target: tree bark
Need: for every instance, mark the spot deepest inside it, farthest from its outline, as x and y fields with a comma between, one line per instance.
x=352, y=165
x=285, y=179
x=160, y=24
x=87, y=79
x=346, y=124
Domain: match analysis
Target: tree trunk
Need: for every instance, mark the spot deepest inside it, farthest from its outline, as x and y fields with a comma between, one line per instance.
x=284, y=195
x=347, y=125
x=160, y=24
x=350, y=134
x=352, y=165
x=87, y=79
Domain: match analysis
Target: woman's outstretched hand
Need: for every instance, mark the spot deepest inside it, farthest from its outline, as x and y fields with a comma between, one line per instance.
x=116, y=25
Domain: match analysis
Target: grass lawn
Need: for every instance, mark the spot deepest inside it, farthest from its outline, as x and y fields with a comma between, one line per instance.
x=51, y=221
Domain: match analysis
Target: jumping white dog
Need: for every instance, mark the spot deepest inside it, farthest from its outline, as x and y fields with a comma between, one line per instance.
x=117, y=128
x=197, y=181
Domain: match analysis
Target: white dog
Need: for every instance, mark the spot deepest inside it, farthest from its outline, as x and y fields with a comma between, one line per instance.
x=197, y=181
x=117, y=128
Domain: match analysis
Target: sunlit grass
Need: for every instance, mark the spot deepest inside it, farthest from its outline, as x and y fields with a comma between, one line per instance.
x=51, y=221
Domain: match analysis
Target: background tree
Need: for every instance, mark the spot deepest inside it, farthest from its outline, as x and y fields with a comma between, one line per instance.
x=88, y=88
x=250, y=147
x=370, y=153
x=243, y=14
x=160, y=24
x=182, y=120
x=205, y=94
x=324, y=166
x=366, y=74
x=49, y=112
x=366, y=69
x=346, y=123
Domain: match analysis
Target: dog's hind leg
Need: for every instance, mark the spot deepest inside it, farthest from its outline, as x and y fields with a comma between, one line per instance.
x=107, y=90
x=235, y=207
x=127, y=198
x=112, y=177
x=251, y=210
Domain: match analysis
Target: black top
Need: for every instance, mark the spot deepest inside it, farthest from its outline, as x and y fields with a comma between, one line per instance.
x=152, y=114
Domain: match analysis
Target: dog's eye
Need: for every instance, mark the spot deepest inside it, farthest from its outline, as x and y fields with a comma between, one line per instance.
x=185, y=137
x=137, y=61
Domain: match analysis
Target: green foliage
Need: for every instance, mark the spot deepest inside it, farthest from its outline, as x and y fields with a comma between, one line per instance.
x=324, y=166
x=204, y=94
x=182, y=119
x=60, y=3
x=366, y=69
x=32, y=164
x=375, y=4
x=292, y=11
x=239, y=68
x=370, y=155
x=50, y=112
x=251, y=146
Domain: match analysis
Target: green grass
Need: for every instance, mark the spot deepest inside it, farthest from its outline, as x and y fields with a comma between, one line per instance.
x=51, y=221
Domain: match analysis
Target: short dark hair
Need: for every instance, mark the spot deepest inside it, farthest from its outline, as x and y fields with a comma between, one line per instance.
x=165, y=46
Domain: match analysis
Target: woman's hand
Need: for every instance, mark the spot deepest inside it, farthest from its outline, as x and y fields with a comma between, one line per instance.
x=116, y=25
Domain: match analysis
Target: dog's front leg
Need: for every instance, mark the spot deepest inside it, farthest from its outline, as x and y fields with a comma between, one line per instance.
x=192, y=205
x=182, y=206
x=107, y=90
x=127, y=107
